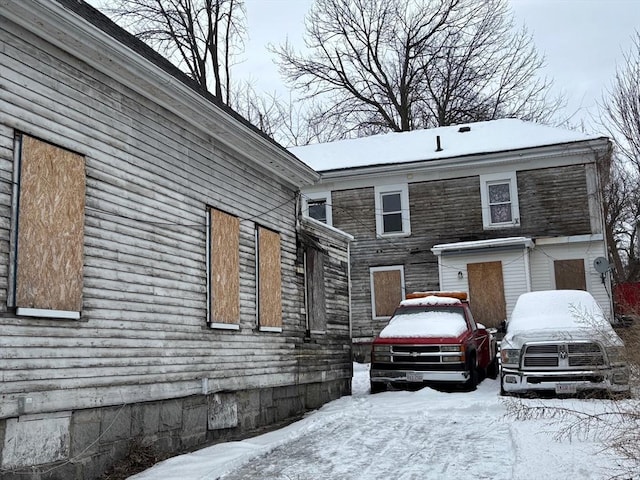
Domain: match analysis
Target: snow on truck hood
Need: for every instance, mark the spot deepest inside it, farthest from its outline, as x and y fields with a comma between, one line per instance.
x=557, y=315
x=427, y=324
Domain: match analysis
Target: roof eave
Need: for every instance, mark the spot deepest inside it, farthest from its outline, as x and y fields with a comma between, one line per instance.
x=583, y=147
x=74, y=34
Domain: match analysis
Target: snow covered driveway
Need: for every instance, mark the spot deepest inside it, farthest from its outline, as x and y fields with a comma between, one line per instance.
x=404, y=435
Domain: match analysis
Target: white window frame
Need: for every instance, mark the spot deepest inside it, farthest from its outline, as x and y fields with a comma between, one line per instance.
x=387, y=268
x=311, y=197
x=403, y=190
x=498, y=178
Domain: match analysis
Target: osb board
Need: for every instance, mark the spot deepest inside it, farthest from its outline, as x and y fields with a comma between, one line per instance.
x=486, y=292
x=387, y=290
x=570, y=274
x=50, y=227
x=269, y=281
x=225, y=267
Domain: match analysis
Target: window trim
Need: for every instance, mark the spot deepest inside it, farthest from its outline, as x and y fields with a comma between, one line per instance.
x=217, y=325
x=12, y=284
x=493, y=179
x=385, y=268
x=315, y=196
x=260, y=327
x=403, y=190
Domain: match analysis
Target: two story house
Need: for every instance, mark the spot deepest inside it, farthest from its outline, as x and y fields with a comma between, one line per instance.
x=494, y=208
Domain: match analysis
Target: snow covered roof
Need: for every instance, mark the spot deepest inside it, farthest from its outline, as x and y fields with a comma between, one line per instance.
x=420, y=145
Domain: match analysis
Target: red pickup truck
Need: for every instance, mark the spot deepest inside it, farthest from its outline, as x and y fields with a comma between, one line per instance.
x=432, y=338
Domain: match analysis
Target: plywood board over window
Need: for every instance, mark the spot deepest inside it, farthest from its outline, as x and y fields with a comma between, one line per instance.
x=486, y=293
x=387, y=286
x=569, y=274
x=225, y=270
x=269, y=280
x=50, y=229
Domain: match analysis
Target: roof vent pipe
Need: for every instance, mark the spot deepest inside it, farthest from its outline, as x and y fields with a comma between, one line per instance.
x=438, y=146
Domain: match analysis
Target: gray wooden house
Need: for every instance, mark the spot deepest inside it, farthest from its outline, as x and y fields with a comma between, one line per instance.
x=494, y=208
x=157, y=282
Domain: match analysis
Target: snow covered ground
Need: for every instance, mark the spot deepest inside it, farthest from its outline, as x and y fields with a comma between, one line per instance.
x=409, y=435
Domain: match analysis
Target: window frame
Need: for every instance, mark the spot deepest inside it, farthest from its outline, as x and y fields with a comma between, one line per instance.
x=315, y=197
x=386, y=268
x=379, y=192
x=267, y=328
x=486, y=181
x=210, y=273
x=13, y=287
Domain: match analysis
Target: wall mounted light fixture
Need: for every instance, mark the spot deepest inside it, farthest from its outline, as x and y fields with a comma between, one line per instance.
x=460, y=275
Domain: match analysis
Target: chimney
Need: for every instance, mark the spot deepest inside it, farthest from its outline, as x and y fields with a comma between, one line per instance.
x=438, y=146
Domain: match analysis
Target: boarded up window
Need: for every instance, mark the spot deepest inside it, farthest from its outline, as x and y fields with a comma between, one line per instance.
x=225, y=268
x=50, y=228
x=386, y=290
x=570, y=274
x=486, y=293
x=316, y=304
x=269, y=280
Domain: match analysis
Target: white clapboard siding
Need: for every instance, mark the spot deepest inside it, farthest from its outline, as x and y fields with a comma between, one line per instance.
x=542, y=267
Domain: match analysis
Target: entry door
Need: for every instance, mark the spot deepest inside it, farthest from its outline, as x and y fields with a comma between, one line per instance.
x=486, y=293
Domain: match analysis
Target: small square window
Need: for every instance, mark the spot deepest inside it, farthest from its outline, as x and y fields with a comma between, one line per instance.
x=499, y=198
x=392, y=210
x=500, y=202
x=317, y=205
x=318, y=210
x=391, y=213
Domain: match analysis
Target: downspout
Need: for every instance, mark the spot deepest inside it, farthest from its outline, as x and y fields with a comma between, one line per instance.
x=527, y=267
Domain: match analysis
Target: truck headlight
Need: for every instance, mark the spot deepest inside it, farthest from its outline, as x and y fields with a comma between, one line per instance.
x=617, y=355
x=450, y=348
x=453, y=358
x=510, y=356
x=381, y=353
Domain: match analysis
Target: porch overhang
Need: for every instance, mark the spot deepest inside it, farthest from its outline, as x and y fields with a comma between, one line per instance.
x=483, y=246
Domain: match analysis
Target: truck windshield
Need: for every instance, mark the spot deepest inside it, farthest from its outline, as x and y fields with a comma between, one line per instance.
x=427, y=321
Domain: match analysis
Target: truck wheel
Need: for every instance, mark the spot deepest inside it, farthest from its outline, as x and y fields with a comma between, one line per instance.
x=377, y=387
x=472, y=382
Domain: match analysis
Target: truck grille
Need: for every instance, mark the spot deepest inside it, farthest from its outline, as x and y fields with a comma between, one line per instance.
x=418, y=358
x=563, y=355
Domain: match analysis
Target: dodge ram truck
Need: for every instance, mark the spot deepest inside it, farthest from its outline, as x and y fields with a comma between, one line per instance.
x=432, y=338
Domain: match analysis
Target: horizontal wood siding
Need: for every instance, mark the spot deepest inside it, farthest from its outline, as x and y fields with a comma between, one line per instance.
x=554, y=201
x=143, y=332
x=328, y=354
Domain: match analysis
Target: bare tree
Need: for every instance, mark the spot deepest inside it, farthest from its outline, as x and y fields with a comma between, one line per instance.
x=620, y=116
x=201, y=36
x=399, y=65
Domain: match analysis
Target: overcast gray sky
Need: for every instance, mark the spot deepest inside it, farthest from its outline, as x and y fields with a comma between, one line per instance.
x=582, y=41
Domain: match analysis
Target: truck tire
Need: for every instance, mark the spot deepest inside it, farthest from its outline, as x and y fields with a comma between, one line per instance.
x=472, y=382
x=493, y=369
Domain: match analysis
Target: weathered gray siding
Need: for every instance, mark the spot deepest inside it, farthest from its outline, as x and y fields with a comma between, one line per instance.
x=143, y=334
